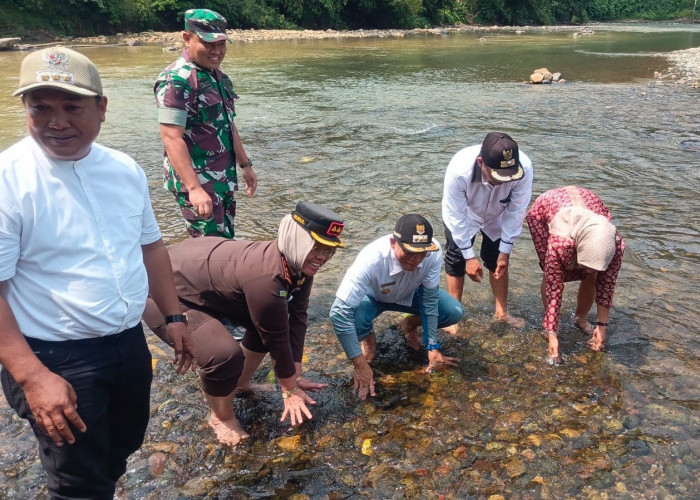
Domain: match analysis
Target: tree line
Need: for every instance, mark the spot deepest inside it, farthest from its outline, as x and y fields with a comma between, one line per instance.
x=95, y=17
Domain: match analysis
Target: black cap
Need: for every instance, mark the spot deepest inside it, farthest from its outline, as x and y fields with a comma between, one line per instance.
x=414, y=234
x=500, y=154
x=323, y=224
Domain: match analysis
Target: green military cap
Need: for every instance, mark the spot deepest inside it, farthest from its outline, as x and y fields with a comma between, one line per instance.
x=210, y=26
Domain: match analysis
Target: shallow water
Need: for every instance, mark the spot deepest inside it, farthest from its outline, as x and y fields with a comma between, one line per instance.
x=367, y=127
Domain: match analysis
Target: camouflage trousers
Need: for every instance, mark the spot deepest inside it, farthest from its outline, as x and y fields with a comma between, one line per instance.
x=221, y=221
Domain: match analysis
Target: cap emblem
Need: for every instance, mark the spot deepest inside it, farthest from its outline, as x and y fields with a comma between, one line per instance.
x=335, y=229
x=56, y=58
x=508, y=157
x=421, y=237
x=55, y=62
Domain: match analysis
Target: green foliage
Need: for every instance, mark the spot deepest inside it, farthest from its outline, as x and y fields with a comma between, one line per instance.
x=607, y=10
x=407, y=13
x=92, y=17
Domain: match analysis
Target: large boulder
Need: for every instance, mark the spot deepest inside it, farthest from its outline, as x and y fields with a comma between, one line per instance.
x=542, y=75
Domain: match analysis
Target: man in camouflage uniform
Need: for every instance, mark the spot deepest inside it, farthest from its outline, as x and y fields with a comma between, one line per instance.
x=196, y=111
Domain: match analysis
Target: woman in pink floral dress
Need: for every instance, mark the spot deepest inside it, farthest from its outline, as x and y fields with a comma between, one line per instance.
x=575, y=241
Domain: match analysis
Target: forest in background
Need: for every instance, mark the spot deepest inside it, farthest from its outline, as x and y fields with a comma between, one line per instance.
x=28, y=18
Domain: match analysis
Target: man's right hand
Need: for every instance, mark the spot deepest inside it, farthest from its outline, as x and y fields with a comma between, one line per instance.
x=474, y=270
x=185, y=353
x=363, y=381
x=54, y=404
x=201, y=202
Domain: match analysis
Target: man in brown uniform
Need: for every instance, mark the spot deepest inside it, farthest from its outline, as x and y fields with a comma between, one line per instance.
x=263, y=287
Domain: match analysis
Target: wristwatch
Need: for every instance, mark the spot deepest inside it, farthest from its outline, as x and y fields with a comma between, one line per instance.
x=246, y=164
x=176, y=318
x=290, y=392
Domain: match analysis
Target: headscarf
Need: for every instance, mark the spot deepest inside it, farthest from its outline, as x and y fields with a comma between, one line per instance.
x=594, y=235
x=294, y=242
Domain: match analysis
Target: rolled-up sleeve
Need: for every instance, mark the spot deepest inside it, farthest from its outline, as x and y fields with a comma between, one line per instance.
x=429, y=315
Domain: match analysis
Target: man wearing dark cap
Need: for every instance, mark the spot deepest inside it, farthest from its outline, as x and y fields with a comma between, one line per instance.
x=487, y=189
x=263, y=287
x=202, y=145
x=79, y=251
x=397, y=272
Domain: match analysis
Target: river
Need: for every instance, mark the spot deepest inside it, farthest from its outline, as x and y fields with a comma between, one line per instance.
x=367, y=127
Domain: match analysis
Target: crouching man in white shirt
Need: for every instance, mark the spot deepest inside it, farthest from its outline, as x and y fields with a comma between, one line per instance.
x=397, y=272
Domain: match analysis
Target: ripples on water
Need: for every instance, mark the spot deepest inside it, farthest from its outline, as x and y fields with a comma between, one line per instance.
x=368, y=127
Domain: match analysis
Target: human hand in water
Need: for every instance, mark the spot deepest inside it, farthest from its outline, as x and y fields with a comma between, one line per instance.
x=309, y=386
x=553, y=352
x=597, y=341
x=436, y=361
x=295, y=406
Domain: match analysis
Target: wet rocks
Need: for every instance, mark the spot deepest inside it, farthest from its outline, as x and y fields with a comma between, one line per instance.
x=583, y=32
x=156, y=463
x=290, y=443
x=9, y=43
x=684, y=68
x=543, y=75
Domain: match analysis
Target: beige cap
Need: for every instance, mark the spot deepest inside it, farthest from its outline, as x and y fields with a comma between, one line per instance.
x=60, y=68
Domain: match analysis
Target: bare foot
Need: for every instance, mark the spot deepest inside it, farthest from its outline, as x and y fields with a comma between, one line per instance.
x=452, y=329
x=407, y=323
x=246, y=390
x=510, y=320
x=369, y=347
x=228, y=431
x=584, y=325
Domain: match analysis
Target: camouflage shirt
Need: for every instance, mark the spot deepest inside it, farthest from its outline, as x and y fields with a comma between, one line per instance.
x=202, y=101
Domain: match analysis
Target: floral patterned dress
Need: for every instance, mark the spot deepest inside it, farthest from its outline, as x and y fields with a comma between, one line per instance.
x=557, y=254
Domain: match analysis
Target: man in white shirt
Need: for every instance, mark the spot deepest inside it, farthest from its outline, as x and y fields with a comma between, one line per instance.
x=487, y=189
x=79, y=247
x=397, y=272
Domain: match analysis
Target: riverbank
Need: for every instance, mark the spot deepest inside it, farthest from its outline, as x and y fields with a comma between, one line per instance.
x=684, y=65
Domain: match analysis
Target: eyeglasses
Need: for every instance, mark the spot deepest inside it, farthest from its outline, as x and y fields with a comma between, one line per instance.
x=323, y=250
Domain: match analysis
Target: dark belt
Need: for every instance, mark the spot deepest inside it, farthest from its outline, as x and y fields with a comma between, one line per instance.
x=93, y=341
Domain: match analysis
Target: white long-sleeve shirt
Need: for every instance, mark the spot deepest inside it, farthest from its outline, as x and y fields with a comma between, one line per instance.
x=378, y=273
x=470, y=203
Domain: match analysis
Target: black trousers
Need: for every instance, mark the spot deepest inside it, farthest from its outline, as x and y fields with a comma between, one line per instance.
x=112, y=379
x=455, y=265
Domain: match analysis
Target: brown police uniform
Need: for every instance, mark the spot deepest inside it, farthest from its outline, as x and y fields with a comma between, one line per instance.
x=249, y=283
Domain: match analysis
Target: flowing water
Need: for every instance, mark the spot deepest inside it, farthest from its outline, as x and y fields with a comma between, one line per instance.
x=367, y=127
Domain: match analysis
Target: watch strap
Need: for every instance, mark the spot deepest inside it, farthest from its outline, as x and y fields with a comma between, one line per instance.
x=176, y=318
